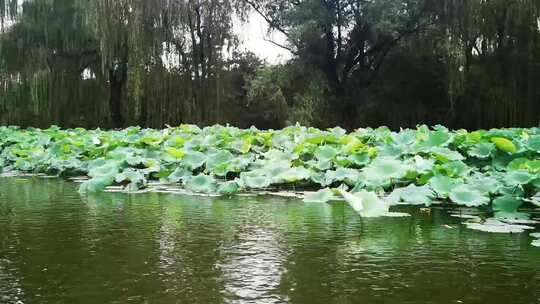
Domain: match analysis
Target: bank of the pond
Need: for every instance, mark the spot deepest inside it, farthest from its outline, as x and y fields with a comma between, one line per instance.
x=372, y=169
x=57, y=246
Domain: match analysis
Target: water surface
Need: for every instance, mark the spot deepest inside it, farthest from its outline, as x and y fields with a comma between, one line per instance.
x=59, y=247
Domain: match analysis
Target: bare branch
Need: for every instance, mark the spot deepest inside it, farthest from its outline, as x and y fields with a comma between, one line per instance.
x=281, y=46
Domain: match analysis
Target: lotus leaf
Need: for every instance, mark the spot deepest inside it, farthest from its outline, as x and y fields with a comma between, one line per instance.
x=321, y=196
x=468, y=196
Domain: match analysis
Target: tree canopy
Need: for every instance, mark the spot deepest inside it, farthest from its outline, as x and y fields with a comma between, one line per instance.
x=354, y=63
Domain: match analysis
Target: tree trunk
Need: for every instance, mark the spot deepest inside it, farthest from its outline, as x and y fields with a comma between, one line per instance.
x=116, y=86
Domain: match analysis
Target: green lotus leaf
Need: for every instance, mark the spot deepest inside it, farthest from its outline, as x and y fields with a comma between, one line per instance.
x=253, y=180
x=320, y=165
x=179, y=175
x=201, y=183
x=227, y=188
x=107, y=168
x=504, y=144
x=96, y=184
x=352, y=145
x=383, y=169
x=455, y=169
x=276, y=169
x=193, y=160
x=278, y=155
x=519, y=163
x=318, y=178
x=218, y=162
x=294, y=174
x=321, y=196
x=325, y=153
x=423, y=165
x=133, y=176
x=533, y=143
x=246, y=145
x=360, y=159
x=536, y=183
x=496, y=226
x=446, y=155
x=393, y=151
x=366, y=203
x=412, y=195
x=511, y=190
x=342, y=161
x=518, y=177
x=404, y=138
x=485, y=184
x=533, y=166
x=349, y=176
x=435, y=139
x=482, y=150
x=468, y=196
x=174, y=152
x=506, y=204
x=442, y=185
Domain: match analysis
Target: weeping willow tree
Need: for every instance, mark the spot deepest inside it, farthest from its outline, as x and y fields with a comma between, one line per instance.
x=116, y=63
x=493, y=52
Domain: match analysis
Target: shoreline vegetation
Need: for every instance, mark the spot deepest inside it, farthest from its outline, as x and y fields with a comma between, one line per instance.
x=496, y=171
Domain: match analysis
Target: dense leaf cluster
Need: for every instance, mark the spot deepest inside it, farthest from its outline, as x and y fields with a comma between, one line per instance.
x=498, y=168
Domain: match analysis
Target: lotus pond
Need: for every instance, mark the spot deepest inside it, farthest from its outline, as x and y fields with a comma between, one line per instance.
x=495, y=170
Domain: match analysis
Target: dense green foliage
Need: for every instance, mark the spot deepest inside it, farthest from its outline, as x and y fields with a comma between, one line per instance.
x=102, y=63
x=371, y=168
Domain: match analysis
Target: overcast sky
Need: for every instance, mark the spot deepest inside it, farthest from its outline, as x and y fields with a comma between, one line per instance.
x=252, y=35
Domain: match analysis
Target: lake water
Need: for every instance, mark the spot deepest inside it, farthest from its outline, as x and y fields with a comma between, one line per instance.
x=57, y=246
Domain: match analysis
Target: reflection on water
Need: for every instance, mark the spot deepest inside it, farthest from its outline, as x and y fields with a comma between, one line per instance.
x=59, y=247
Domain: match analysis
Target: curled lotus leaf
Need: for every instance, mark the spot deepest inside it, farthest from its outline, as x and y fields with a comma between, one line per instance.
x=412, y=195
x=504, y=144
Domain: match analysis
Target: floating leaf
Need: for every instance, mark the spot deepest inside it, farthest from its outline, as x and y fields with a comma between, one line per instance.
x=497, y=226
x=468, y=196
x=321, y=196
